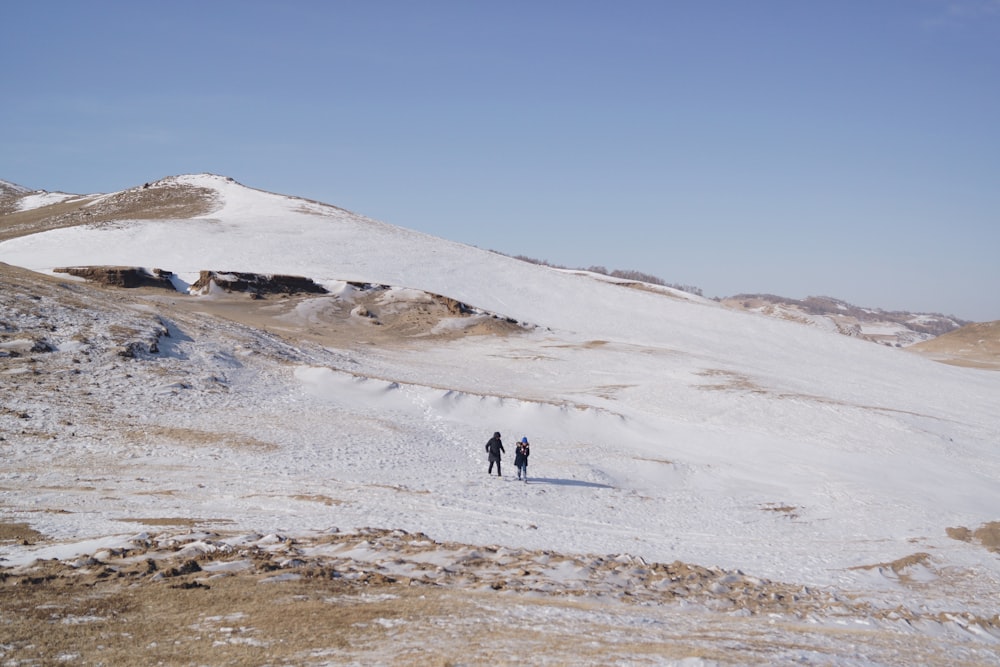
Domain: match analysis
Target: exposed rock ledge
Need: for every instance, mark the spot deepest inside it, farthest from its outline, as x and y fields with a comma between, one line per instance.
x=255, y=283
x=230, y=281
x=122, y=276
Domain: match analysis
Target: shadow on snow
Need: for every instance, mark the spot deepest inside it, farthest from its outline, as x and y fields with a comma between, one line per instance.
x=566, y=482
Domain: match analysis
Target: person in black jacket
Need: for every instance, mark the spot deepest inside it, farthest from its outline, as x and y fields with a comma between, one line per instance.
x=523, y=450
x=494, y=447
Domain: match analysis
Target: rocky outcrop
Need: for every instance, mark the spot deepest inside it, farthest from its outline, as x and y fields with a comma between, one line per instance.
x=255, y=284
x=456, y=307
x=122, y=276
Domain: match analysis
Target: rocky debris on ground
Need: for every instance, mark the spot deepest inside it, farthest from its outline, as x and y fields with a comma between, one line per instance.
x=398, y=558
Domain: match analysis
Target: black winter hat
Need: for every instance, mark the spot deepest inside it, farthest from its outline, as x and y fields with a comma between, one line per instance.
x=497, y=434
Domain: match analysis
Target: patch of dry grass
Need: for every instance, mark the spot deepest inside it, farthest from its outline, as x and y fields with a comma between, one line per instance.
x=238, y=621
x=234, y=621
x=18, y=532
x=731, y=381
x=228, y=621
x=900, y=565
x=157, y=604
x=788, y=510
x=197, y=437
x=319, y=498
x=174, y=521
x=122, y=616
x=652, y=460
x=987, y=535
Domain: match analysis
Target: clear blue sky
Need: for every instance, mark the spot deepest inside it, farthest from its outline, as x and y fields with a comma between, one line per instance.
x=842, y=148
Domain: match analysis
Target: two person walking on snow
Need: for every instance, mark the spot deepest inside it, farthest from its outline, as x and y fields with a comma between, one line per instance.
x=495, y=448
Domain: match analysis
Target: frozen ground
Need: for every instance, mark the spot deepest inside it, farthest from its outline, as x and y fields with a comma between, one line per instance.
x=774, y=456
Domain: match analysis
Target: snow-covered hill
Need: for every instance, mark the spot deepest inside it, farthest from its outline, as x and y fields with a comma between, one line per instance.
x=664, y=426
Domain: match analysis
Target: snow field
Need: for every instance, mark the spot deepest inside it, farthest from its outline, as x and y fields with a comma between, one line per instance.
x=664, y=428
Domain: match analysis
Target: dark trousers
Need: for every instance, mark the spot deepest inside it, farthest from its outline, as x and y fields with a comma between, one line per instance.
x=492, y=461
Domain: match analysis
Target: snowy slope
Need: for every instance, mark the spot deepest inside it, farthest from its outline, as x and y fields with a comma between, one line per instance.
x=669, y=428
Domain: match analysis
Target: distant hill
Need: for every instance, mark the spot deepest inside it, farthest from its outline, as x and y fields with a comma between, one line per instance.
x=976, y=345
x=8, y=188
x=893, y=328
x=10, y=193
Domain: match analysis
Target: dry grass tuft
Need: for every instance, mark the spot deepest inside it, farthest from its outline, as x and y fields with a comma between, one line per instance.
x=788, y=510
x=731, y=382
x=900, y=565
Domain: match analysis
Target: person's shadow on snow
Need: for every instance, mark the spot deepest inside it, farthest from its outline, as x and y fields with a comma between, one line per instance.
x=567, y=482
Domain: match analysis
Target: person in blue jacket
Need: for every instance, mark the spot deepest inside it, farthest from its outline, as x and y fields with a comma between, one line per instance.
x=521, y=454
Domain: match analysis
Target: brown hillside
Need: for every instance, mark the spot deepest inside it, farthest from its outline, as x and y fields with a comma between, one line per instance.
x=976, y=345
x=163, y=199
